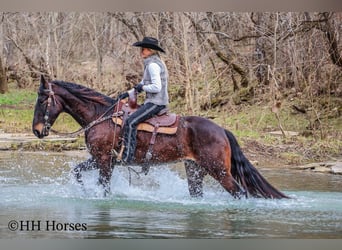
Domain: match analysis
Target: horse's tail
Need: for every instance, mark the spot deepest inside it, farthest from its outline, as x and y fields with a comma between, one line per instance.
x=248, y=176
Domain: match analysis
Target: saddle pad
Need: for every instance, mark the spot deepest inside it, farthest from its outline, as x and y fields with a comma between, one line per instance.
x=149, y=128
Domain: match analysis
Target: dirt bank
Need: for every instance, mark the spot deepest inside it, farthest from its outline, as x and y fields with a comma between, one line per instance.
x=22, y=141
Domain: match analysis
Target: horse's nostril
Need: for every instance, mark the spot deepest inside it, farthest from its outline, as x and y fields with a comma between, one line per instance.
x=37, y=133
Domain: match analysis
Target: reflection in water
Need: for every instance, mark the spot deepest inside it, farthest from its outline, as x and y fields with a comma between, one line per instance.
x=39, y=187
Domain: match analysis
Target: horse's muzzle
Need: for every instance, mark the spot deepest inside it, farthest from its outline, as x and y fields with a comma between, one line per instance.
x=38, y=134
x=41, y=130
x=46, y=129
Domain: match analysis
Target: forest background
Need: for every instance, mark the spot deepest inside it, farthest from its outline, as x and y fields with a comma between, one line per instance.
x=273, y=78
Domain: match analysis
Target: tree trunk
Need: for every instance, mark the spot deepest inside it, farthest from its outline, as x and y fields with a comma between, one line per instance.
x=331, y=35
x=3, y=79
x=220, y=53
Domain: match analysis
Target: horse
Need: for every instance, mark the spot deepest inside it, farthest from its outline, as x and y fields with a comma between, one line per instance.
x=205, y=147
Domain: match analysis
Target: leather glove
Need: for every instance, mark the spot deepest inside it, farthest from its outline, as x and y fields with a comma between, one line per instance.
x=139, y=87
x=123, y=96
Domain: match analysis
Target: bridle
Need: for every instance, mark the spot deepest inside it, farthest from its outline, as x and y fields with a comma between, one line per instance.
x=51, y=98
x=47, y=124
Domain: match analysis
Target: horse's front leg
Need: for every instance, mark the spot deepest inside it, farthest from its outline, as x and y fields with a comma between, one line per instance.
x=195, y=174
x=87, y=165
x=105, y=174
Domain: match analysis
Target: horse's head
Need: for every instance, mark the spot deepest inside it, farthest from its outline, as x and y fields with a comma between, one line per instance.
x=47, y=109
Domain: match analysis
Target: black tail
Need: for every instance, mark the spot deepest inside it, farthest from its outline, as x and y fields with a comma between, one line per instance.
x=248, y=176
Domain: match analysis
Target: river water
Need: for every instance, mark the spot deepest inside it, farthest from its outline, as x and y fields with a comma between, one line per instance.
x=40, y=199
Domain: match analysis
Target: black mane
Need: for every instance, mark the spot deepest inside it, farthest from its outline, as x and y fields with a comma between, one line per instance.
x=84, y=93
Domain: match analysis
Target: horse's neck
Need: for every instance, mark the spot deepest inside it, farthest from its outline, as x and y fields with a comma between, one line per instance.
x=83, y=113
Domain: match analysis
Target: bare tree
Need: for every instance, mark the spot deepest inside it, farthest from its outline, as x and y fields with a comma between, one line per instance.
x=209, y=54
x=222, y=51
x=3, y=77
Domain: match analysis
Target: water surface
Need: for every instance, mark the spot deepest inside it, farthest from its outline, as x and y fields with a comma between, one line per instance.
x=38, y=192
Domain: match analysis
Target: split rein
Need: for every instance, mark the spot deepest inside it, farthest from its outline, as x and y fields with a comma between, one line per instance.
x=102, y=118
x=90, y=125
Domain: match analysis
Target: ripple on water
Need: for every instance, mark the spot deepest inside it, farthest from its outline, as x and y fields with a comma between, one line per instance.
x=158, y=205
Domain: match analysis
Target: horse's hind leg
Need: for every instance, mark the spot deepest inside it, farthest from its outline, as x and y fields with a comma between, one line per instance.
x=89, y=164
x=230, y=184
x=195, y=174
x=219, y=168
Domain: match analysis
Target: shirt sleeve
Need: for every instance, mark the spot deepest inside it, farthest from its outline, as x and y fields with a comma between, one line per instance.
x=154, y=71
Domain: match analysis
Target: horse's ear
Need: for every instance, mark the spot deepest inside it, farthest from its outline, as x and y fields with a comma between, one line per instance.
x=43, y=82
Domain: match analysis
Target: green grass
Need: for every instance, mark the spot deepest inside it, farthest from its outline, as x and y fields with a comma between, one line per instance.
x=18, y=97
x=18, y=121
x=16, y=113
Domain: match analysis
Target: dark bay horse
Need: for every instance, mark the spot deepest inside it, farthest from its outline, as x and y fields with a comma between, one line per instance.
x=205, y=147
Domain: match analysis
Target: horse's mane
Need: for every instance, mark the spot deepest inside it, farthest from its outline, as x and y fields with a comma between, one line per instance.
x=84, y=93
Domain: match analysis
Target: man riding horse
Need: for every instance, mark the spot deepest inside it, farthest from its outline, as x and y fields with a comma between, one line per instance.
x=154, y=83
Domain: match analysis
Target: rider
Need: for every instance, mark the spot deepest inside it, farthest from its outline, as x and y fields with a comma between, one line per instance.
x=154, y=83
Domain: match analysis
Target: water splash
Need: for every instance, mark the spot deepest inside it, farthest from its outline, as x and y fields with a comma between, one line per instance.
x=160, y=203
x=161, y=185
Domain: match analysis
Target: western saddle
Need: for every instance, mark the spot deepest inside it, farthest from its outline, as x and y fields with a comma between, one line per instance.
x=163, y=123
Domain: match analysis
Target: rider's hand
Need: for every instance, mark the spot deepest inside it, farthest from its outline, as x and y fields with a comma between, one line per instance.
x=139, y=87
x=123, y=95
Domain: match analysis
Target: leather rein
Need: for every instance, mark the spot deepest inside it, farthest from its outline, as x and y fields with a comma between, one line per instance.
x=47, y=125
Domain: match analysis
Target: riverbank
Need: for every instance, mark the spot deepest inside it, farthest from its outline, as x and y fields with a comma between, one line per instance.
x=286, y=140
x=261, y=155
x=25, y=141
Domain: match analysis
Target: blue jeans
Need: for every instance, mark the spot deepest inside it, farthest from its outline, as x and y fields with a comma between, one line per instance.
x=145, y=112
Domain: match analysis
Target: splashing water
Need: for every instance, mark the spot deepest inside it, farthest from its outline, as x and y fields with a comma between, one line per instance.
x=39, y=186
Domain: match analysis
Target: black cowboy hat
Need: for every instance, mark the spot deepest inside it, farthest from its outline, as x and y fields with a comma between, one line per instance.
x=149, y=42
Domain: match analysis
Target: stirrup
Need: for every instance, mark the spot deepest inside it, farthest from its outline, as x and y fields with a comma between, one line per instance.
x=114, y=153
x=119, y=156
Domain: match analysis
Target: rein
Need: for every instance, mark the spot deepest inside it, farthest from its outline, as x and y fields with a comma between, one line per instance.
x=102, y=118
x=81, y=130
x=47, y=125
